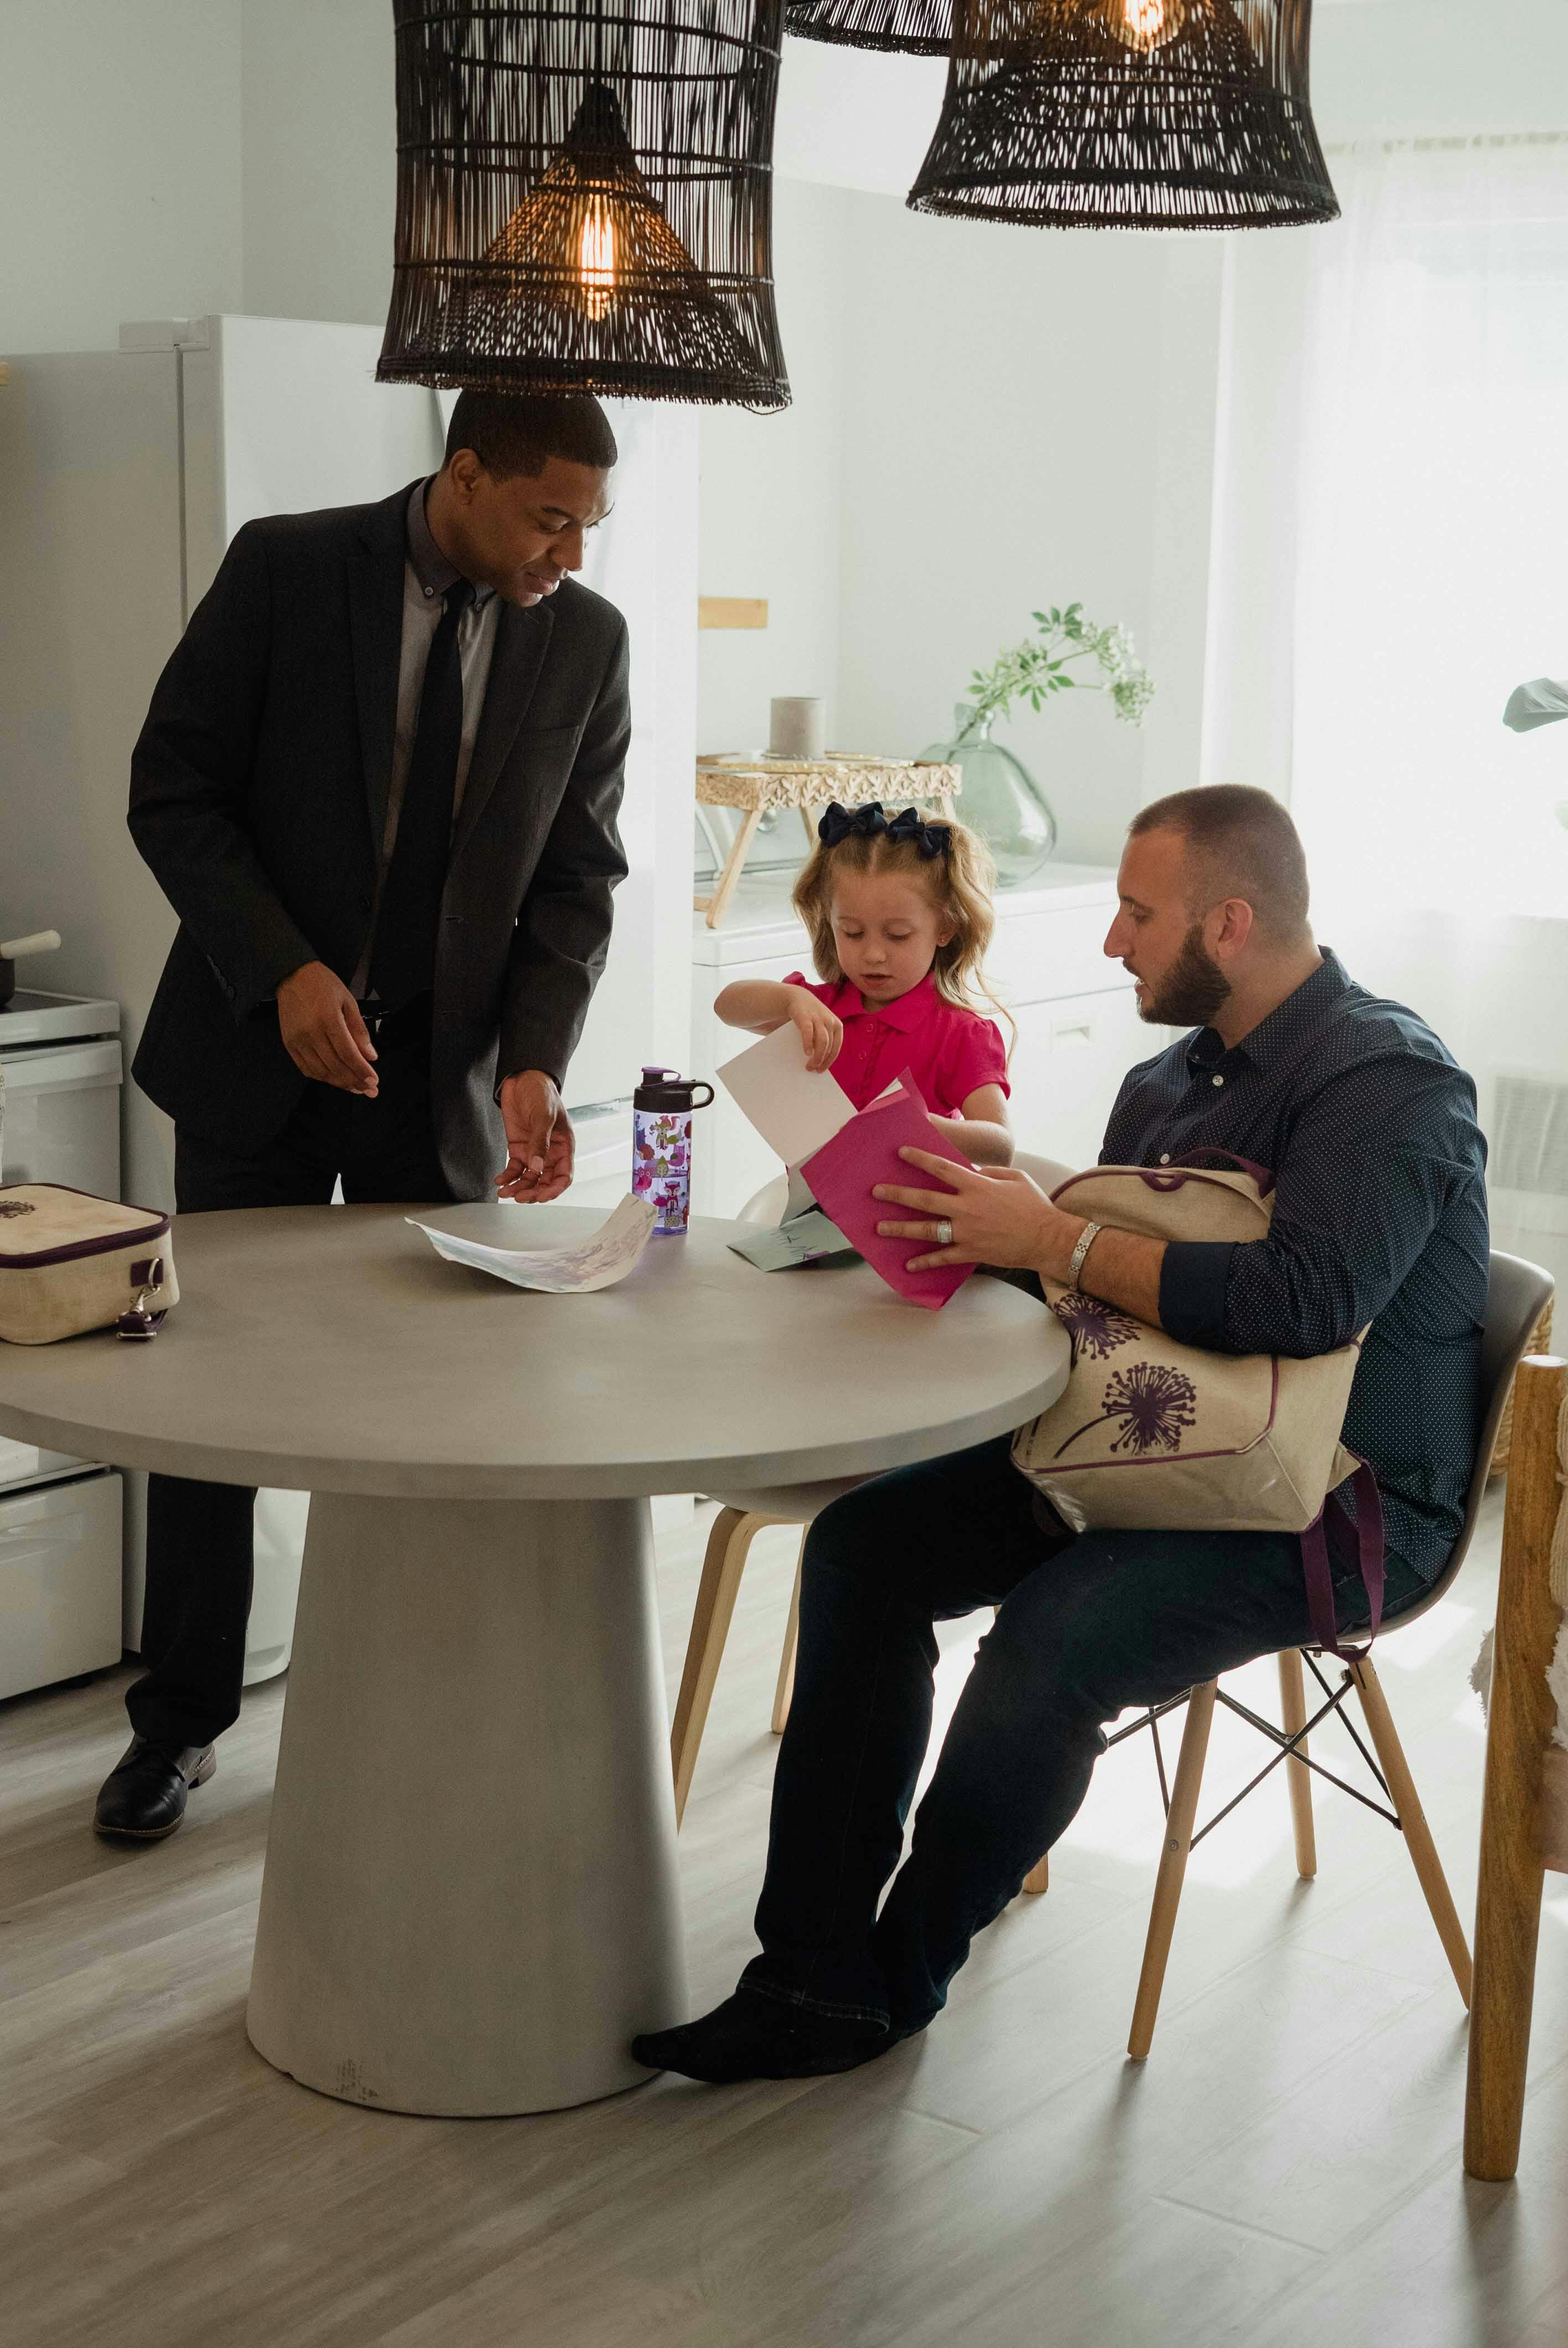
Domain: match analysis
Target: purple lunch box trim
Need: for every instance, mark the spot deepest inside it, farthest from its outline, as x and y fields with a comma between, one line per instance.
x=72, y=1251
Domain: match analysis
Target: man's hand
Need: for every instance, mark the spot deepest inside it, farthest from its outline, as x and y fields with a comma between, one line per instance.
x=999, y=1217
x=539, y=1140
x=323, y=1031
x=819, y=1029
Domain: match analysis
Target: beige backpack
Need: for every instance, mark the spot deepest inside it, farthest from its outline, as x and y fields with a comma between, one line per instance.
x=1148, y=1433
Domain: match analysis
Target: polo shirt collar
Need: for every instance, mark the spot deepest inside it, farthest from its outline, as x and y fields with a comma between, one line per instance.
x=908, y=1012
x=1287, y=1027
x=430, y=566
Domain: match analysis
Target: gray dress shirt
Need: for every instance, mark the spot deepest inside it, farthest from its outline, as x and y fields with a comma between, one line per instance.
x=427, y=576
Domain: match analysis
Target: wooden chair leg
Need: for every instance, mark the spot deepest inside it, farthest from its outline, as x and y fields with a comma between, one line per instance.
x=1038, y=1880
x=785, y=1688
x=1292, y=1713
x=1179, y=1827
x=735, y=1529
x=724, y=887
x=1519, y=1727
x=1417, y=1835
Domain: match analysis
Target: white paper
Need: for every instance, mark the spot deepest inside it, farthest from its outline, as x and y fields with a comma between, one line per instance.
x=794, y=1109
x=597, y=1262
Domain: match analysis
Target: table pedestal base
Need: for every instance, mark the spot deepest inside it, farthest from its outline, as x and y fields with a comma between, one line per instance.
x=470, y=1902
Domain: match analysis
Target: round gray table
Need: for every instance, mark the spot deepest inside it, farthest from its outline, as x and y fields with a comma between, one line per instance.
x=470, y=1903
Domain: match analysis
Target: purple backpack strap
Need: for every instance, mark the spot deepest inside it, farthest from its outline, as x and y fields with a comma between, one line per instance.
x=1369, y=1545
x=1260, y=1174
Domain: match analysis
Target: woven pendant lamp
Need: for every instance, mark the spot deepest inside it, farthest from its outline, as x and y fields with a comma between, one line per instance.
x=1128, y=114
x=922, y=29
x=584, y=198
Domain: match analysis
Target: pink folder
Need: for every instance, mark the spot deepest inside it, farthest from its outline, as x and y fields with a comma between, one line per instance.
x=840, y=1174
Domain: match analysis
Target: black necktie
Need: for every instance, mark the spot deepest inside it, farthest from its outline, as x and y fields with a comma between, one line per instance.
x=403, y=964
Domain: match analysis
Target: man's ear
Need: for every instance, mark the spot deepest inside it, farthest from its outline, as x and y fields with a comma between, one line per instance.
x=1231, y=922
x=463, y=469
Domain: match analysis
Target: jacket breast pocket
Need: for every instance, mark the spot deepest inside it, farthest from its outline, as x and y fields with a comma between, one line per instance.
x=534, y=743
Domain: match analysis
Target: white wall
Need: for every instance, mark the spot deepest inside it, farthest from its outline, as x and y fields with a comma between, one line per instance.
x=1010, y=442
x=119, y=166
x=320, y=160
x=856, y=118
x=984, y=418
x=1422, y=69
x=773, y=496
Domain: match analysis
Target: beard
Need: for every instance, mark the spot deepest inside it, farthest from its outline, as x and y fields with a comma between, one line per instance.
x=1193, y=989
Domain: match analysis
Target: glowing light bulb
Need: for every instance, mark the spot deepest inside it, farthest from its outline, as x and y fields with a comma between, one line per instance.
x=597, y=259
x=1144, y=25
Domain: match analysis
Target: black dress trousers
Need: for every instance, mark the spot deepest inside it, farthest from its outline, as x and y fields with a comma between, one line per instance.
x=198, y=1536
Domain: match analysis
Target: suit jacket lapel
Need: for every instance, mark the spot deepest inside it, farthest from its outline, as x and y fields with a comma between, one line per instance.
x=522, y=639
x=375, y=624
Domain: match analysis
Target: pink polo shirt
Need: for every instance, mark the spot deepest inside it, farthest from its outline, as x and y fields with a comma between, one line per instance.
x=950, y=1052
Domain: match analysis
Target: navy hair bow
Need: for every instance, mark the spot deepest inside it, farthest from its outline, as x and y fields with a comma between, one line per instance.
x=932, y=839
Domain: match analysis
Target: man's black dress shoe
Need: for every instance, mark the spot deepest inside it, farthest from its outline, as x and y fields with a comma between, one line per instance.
x=144, y=1794
x=755, y=2037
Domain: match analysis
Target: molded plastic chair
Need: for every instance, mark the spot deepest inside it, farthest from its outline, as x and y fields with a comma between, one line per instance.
x=1517, y=1294
x=741, y=1516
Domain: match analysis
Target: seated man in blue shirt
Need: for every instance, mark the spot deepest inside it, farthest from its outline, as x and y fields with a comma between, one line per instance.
x=1379, y=1218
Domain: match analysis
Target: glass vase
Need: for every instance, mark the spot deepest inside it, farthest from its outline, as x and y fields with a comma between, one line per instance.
x=1000, y=798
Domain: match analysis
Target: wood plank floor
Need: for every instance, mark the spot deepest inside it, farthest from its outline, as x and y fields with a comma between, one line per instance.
x=1284, y=2170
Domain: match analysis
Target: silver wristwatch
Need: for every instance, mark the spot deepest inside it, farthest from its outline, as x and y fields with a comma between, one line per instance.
x=1086, y=1239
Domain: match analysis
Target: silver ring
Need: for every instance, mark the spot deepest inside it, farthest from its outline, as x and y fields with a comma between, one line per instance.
x=944, y=1234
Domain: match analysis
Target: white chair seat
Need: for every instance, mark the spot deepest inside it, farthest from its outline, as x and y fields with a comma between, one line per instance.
x=794, y=1504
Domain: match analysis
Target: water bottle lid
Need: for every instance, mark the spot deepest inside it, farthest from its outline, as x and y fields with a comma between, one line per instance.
x=664, y=1089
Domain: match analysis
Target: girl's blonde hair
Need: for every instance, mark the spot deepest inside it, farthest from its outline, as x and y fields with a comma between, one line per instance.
x=960, y=878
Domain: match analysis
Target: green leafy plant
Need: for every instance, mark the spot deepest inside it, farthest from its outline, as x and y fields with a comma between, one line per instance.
x=1041, y=666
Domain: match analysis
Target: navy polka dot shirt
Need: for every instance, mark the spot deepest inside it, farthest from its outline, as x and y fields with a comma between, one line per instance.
x=1369, y=1127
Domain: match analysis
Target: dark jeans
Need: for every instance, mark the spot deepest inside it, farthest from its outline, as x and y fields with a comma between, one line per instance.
x=199, y=1562
x=1088, y=1625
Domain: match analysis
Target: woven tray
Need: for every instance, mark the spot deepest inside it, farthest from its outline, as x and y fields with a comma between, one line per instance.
x=737, y=781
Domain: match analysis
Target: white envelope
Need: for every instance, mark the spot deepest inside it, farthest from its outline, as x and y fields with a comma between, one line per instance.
x=578, y=1268
x=794, y=1110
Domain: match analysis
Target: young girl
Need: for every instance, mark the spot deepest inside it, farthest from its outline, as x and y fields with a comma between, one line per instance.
x=901, y=916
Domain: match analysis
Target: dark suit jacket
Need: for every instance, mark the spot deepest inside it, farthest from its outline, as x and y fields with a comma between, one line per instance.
x=258, y=795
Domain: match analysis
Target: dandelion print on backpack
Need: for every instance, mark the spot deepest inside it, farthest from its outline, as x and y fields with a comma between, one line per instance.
x=1096, y=1329
x=1154, y=1402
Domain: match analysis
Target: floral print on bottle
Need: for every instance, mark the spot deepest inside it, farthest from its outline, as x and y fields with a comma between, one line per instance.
x=661, y=1164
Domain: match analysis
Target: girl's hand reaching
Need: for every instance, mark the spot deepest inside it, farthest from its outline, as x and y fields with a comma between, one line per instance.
x=818, y=1029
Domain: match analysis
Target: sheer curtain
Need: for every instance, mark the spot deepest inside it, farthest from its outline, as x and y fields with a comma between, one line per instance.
x=1431, y=577
x=1432, y=528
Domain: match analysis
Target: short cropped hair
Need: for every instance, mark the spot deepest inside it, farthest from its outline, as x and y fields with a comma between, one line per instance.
x=519, y=432
x=1240, y=842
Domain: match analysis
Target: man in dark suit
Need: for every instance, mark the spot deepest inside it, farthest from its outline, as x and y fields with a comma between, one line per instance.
x=378, y=782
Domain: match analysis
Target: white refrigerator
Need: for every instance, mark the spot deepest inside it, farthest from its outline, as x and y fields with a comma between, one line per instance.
x=123, y=476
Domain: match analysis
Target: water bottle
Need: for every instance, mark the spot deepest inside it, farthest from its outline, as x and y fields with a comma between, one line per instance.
x=661, y=1109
